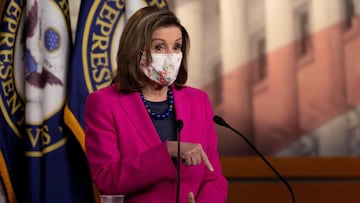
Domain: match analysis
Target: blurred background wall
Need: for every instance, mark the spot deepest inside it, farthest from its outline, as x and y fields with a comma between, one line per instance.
x=285, y=73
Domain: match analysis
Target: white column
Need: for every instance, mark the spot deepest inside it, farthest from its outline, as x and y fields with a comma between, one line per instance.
x=282, y=74
x=279, y=22
x=236, y=104
x=190, y=14
x=326, y=13
x=234, y=35
x=330, y=16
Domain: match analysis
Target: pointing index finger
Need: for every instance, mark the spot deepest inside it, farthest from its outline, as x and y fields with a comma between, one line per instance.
x=206, y=161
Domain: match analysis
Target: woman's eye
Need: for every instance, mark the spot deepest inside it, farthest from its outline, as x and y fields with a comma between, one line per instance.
x=158, y=47
x=177, y=47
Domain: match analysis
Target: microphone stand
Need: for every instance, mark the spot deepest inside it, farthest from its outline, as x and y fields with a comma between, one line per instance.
x=220, y=121
x=179, y=126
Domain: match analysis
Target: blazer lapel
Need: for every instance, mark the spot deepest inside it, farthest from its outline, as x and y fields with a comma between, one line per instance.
x=136, y=112
x=183, y=112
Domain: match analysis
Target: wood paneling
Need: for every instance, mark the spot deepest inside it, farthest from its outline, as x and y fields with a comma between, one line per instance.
x=314, y=180
x=305, y=192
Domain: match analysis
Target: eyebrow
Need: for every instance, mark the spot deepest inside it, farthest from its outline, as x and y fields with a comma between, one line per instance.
x=164, y=40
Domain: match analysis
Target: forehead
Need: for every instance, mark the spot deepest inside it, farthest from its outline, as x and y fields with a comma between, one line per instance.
x=170, y=32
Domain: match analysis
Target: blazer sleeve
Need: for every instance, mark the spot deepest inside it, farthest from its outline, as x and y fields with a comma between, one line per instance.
x=214, y=186
x=111, y=173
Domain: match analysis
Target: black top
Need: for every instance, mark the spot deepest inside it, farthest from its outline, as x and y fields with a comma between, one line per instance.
x=165, y=128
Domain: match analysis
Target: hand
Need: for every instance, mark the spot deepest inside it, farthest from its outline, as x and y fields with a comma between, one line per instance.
x=191, y=198
x=190, y=153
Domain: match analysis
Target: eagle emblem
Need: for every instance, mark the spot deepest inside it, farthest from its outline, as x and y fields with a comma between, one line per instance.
x=35, y=76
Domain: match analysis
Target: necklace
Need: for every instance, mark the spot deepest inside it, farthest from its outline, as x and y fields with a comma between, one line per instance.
x=166, y=113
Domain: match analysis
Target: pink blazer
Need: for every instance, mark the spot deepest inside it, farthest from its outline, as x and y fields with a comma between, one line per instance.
x=126, y=156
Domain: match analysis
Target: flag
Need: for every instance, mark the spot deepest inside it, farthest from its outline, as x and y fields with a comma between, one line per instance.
x=40, y=159
x=11, y=101
x=93, y=66
x=7, y=189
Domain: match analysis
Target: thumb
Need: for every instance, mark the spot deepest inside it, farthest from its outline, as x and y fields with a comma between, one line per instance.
x=191, y=198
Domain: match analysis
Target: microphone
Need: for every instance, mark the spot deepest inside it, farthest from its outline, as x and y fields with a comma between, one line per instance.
x=220, y=121
x=179, y=126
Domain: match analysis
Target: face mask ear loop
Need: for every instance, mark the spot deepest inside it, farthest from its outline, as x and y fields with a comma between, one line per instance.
x=143, y=60
x=146, y=56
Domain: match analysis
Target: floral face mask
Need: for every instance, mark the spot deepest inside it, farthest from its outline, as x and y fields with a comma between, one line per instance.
x=163, y=69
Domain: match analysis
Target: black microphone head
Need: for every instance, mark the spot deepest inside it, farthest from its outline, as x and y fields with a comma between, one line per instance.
x=220, y=121
x=179, y=124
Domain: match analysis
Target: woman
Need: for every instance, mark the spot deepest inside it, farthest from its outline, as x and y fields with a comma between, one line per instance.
x=131, y=126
